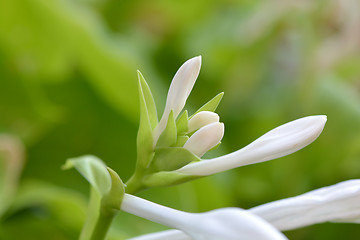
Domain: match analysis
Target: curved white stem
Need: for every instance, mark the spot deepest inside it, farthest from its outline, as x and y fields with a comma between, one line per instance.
x=154, y=212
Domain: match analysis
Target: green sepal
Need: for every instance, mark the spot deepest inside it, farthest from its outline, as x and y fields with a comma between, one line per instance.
x=93, y=170
x=181, y=140
x=144, y=141
x=166, y=178
x=210, y=105
x=182, y=123
x=169, y=135
x=172, y=158
x=149, y=101
x=112, y=200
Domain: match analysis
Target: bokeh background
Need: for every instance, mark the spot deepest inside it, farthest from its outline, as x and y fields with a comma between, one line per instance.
x=68, y=87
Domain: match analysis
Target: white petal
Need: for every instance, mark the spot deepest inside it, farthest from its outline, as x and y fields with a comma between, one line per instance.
x=205, y=138
x=225, y=224
x=201, y=119
x=179, y=90
x=281, y=141
x=164, y=235
x=231, y=224
x=340, y=202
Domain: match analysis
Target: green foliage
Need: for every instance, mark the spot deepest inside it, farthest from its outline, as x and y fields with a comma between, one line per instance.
x=68, y=88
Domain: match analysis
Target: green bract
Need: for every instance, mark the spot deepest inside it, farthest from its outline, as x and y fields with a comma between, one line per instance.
x=169, y=136
x=146, y=126
x=210, y=105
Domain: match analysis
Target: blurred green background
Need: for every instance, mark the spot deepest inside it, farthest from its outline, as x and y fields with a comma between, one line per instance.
x=68, y=87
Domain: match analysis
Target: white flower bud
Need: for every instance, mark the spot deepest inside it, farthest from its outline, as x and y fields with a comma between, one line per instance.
x=281, y=141
x=205, y=138
x=201, y=119
x=179, y=90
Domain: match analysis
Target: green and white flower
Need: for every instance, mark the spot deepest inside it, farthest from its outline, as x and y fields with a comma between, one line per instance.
x=170, y=151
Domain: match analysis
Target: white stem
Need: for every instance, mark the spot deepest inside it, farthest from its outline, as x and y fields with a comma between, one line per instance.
x=154, y=212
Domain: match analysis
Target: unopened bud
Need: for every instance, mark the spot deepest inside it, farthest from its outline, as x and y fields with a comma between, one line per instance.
x=202, y=119
x=205, y=138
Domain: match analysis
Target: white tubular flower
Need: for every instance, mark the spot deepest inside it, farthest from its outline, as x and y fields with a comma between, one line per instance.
x=179, y=90
x=224, y=224
x=281, y=141
x=205, y=138
x=336, y=203
x=339, y=203
x=201, y=119
x=172, y=234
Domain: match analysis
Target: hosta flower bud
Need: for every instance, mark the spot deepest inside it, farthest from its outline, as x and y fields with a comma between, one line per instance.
x=201, y=119
x=205, y=138
x=281, y=141
x=179, y=90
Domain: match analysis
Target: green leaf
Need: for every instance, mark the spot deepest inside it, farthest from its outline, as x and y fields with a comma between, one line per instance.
x=149, y=101
x=144, y=141
x=94, y=170
x=181, y=140
x=210, y=105
x=182, y=124
x=169, y=135
x=172, y=158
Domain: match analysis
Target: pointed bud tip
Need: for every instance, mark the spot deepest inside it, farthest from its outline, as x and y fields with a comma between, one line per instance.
x=320, y=120
x=323, y=118
x=195, y=60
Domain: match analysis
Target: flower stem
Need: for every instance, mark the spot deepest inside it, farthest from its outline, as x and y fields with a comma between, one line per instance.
x=102, y=225
x=92, y=215
x=134, y=185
